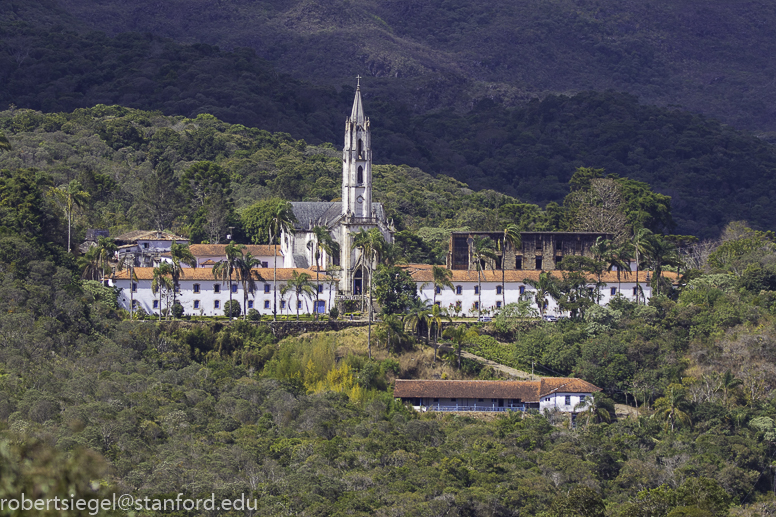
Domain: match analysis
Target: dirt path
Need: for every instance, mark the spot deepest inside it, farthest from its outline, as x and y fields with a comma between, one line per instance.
x=512, y=372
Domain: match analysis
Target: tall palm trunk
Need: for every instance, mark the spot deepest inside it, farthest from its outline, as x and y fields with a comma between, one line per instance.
x=274, y=283
x=638, y=290
x=503, y=283
x=230, y=295
x=131, y=294
x=369, y=325
x=479, y=292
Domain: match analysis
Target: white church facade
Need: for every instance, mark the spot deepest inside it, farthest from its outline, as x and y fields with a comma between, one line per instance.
x=343, y=219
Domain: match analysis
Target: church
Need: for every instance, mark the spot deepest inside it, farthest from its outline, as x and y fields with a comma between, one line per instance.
x=477, y=289
x=345, y=218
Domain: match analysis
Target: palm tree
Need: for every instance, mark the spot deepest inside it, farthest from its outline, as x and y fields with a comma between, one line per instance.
x=512, y=238
x=162, y=280
x=593, y=408
x=418, y=315
x=301, y=285
x=180, y=254
x=547, y=285
x=435, y=317
x=442, y=277
x=727, y=383
x=282, y=221
x=245, y=265
x=482, y=248
x=391, y=328
x=661, y=252
x=128, y=261
x=604, y=254
x=670, y=407
x=97, y=259
x=5, y=145
x=69, y=196
x=323, y=243
x=223, y=269
x=621, y=257
x=89, y=263
x=333, y=276
x=370, y=243
x=641, y=246
x=460, y=335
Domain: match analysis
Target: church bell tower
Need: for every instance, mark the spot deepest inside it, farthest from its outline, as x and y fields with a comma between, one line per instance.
x=357, y=162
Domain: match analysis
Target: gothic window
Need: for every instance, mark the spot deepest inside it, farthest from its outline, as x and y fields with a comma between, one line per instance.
x=360, y=148
x=360, y=177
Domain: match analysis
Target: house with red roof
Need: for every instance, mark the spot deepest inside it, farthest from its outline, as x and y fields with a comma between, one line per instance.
x=562, y=393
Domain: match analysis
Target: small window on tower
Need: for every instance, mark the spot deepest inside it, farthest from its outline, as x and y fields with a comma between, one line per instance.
x=360, y=178
x=360, y=148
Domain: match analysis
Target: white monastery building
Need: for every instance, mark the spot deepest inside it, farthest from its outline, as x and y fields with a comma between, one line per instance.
x=501, y=280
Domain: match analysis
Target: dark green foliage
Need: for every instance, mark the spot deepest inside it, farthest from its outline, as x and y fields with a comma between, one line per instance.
x=530, y=150
x=232, y=309
x=254, y=315
x=177, y=310
x=394, y=289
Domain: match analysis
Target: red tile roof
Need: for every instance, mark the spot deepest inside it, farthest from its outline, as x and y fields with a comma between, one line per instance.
x=527, y=391
x=219, y=250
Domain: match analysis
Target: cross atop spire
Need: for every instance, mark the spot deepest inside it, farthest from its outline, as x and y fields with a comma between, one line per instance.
x=357, y=114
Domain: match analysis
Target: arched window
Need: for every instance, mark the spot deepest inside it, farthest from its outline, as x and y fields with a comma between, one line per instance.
x=360, y=148
x=360, y=177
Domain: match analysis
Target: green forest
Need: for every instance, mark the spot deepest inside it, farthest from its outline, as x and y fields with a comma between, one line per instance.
x=307, y=424
x=201, y=117
x=714, y=173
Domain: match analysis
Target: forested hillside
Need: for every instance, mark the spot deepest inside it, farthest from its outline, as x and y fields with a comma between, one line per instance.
x=308, y=424
x=713, y=57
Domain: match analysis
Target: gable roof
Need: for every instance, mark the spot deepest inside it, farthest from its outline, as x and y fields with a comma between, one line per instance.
x=527, y=391
x=319, y=213
x=219, y=250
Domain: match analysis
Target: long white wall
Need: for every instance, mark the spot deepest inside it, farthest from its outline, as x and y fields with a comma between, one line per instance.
x=492, y=300
x=212, y=296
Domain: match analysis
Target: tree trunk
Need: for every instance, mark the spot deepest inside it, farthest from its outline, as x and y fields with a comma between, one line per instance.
x=69, y=225
x=230, y=295
x=317, y=270
x=503, y=282
x=369, y=329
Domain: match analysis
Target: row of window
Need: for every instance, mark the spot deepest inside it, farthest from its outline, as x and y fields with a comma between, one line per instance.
x=217, y=304
x=499, y=290
x=459, y=289
x=567, y=399
x=196, y=288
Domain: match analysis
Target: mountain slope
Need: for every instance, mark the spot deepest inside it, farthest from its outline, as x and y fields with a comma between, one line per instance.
x=712, y=57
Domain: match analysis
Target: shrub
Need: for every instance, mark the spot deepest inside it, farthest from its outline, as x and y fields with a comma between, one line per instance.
x=254, y=315
x=177, y=310
x=334, y=313
x=232, y=309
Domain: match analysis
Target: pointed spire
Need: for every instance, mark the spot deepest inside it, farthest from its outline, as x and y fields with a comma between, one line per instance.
x=357, y=115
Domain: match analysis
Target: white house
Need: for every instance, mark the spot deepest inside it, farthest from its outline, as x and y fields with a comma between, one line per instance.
x=201, y=294
x=465, y=296
x=564, y=394
x=147, y=246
